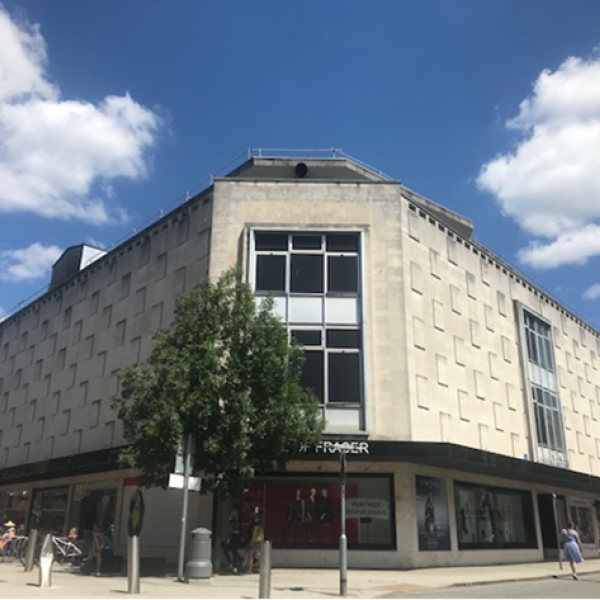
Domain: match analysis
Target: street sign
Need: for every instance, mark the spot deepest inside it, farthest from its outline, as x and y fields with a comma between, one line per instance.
x=180, y=456
x=176, y=481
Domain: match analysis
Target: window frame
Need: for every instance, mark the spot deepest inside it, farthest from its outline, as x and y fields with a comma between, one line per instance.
x=259, y=246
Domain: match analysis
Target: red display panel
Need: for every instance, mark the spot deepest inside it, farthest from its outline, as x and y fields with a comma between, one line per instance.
x=298, y=513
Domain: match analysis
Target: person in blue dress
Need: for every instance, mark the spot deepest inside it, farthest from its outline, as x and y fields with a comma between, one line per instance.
x=572, y=547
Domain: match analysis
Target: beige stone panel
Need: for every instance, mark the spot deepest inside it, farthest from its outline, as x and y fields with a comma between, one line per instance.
x=373, y=209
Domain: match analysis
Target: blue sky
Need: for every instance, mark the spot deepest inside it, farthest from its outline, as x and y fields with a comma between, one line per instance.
x=110, y=111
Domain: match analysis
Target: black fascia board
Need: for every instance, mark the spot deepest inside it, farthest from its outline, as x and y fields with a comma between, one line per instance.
x=459, y=458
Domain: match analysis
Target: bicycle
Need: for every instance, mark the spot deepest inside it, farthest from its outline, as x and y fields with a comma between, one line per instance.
x=66, y=549
x=12, y=548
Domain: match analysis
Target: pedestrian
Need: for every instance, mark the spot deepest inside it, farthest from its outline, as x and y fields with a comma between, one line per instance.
x=232, y=543
x=101, y=548
x=256, y=536
x=572, y=547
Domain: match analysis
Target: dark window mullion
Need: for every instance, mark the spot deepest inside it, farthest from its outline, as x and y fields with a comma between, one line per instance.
x=326, y=377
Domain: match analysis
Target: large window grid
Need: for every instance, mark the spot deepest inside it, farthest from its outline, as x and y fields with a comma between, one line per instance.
x=546, y=403
x=317, y=266
x=539, y=342
x=307, y=264
x=548, y=419
x=332, y=367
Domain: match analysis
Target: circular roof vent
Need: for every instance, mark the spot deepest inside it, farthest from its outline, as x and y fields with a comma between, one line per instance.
x=301, y=170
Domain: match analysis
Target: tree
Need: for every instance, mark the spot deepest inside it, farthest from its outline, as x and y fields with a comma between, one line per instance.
x=227, y=374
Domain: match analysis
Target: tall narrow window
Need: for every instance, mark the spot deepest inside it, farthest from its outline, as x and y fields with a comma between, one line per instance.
x=544, y=390
x=316, y=278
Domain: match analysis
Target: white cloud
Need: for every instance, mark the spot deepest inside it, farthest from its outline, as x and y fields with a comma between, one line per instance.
x=59, y=156
x=28, y=263
x=574, y=246
x=3, y=314
x=22, y=61
x=592, y=293
x=550, y=183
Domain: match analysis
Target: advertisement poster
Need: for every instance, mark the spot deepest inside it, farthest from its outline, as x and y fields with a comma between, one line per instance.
x=367, y=508
x=432, y=513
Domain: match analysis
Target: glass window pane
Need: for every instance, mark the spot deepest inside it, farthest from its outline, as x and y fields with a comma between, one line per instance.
x=490, y=517
x=312, y=373
x=307, y=274
x=550, y=428
x=342, y=274
x=540, y=351
x=560, y=444
x=532, y=346
x=343, y=242
x=548, y=352
x=541, y=425
x=303, y=511
x=270, y=273
x=307, y=242
x=534, y=393
x=344, y=377
x=271, y=241
x=343, y=338
x=307, y=337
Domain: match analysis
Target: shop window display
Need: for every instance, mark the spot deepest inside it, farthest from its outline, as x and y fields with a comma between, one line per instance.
x=580, y=512
x=13, y=507
x=93, y=504
x=304, y=512
x=490, y=517
x=48, y=510
x=432, y=513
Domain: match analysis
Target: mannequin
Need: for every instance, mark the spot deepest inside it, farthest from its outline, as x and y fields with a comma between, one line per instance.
x=296, y=511
x=325, y=508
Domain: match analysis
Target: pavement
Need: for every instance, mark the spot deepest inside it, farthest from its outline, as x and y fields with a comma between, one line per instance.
x=299, y=584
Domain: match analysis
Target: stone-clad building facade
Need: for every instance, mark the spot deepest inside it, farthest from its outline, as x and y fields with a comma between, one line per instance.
x=465, y=395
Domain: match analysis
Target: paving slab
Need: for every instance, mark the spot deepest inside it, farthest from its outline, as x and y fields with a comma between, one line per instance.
x=285, y=583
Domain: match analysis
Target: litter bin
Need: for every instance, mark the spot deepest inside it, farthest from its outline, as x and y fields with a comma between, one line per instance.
x=199, y=565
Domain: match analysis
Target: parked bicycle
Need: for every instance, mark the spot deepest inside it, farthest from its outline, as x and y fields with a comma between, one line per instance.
x=64, y=549
x=12, y=548
x=73, y=551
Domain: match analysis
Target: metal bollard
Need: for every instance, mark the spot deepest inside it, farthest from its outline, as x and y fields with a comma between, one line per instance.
x=264, y=577
x=46, y=560
x=30, y=551
x=133, y=564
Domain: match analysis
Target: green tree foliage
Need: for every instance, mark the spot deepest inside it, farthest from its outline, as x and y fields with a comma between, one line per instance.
x=227, y=375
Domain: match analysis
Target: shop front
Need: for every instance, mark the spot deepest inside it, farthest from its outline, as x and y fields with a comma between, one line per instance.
x=412, y=505
x=302, y=511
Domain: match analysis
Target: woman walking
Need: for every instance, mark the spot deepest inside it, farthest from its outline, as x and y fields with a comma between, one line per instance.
x=572, y=547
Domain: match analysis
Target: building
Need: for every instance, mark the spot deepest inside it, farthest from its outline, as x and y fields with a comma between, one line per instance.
x=466, y=397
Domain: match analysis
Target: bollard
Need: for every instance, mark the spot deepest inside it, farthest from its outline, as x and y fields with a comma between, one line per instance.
x=133, y=564
x=30, y=550
x=264, y=577
x=46, y=560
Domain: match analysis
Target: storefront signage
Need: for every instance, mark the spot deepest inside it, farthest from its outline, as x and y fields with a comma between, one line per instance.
x=367, y=508
x=339, y=448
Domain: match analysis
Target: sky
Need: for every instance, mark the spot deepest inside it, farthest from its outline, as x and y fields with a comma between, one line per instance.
x=113, y=111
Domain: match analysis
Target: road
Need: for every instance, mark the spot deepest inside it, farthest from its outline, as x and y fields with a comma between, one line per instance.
x=588, y=586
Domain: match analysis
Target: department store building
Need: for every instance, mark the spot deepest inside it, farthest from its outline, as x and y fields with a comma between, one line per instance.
x=465, y=397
